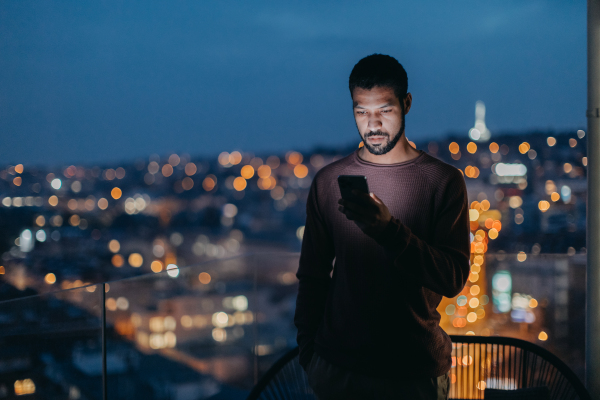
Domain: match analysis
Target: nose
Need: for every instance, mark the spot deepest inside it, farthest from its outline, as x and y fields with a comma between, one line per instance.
x=374, y=122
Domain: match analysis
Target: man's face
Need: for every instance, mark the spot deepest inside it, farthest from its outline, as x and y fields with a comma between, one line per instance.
x=379, y=118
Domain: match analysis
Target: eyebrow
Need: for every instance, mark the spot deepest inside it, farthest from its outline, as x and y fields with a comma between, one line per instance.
x=383, y=106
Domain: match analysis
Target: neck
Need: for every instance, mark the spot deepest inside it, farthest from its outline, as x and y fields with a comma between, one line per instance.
x=402, y=152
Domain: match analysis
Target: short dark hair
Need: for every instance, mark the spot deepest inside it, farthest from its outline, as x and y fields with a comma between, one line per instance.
x=379, y=70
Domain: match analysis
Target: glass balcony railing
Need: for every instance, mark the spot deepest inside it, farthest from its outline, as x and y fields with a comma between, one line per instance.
x=210, y=331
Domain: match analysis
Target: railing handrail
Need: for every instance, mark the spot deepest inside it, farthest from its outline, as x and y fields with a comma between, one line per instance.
x=149, y=274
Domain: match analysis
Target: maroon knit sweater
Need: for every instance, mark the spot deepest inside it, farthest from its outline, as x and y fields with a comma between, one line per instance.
x=376, y=314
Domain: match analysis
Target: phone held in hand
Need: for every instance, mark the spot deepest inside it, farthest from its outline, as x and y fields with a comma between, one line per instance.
x=347, y=183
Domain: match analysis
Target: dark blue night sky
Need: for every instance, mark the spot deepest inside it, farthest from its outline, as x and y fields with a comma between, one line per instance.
x=94, y=82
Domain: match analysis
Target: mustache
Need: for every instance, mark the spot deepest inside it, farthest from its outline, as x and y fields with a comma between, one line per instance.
x=376, y=133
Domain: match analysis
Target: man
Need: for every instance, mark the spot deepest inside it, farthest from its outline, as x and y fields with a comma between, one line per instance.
x=370, y=329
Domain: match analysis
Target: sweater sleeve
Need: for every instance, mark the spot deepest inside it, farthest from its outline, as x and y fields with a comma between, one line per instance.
x=441, y=266
x=313, y=274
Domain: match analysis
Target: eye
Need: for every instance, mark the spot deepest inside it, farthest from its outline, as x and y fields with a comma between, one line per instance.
x=386, y=111
x=361, y=112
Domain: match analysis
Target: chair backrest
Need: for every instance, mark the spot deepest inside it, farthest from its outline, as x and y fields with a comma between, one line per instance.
x=478, y=363
x=284, y=380
x=495, y=362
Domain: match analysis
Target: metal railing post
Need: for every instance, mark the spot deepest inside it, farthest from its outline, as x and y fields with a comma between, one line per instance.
x=592, y=356
x=104, y=376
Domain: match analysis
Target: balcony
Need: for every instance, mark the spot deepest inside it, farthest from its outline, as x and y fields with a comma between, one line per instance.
x=210, y=331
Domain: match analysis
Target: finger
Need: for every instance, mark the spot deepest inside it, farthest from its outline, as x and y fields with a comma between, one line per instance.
x=361, y=195
x=366, y=204
x=374, y=197
x=359, y=208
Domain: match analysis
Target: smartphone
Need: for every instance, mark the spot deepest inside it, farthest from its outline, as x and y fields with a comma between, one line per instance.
x=347, y=183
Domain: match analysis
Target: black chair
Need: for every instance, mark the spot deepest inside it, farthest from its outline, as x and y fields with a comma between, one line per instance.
x=510, y=368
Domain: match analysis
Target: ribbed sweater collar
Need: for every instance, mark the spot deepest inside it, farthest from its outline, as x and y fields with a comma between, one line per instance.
x=359, y=160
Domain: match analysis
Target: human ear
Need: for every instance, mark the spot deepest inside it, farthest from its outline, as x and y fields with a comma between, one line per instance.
x=407, y=102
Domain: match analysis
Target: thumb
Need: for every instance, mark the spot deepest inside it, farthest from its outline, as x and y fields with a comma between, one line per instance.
x=374, y=197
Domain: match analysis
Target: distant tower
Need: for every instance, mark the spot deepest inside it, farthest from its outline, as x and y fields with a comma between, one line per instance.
x=479, y=132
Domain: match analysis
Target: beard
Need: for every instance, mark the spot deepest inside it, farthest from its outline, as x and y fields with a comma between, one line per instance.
x=387, y=145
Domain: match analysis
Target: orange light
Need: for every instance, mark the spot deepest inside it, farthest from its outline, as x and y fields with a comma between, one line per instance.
x=239, y=183
x=494, y=147
x=116, y=193
x=135, y=260
x=74, y=220
x=53, y=201
x=485, y=205
x=190, y=169
x=209, y=183
x=224, y=158
x=17, y=181
x=50, y=278
x=533, y=303
x=480, y=235
x=114, y=246
x=361, y=144
x=167, y=170
x=19, y=168
x=293, y=157
x=469, y=171
x=117, y=260
x=524, y=147
x=472, y=147
x=204, y=278
x=247, y=171
x=235, y=157
x=488, y=223
x=497, y=225
x=300, y=170
x=555, y=196
x=454, y=148
x=156, y=266
x=264, y=171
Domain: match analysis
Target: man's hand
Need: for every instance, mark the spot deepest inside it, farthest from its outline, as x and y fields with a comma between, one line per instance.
x=368, y=212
